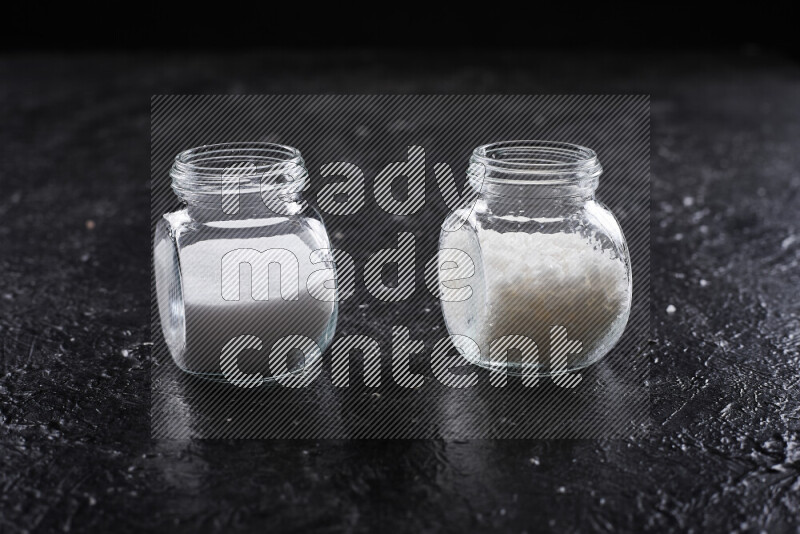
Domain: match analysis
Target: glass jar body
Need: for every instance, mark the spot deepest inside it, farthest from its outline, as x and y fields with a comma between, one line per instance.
x=555, y=271
x=220, y=277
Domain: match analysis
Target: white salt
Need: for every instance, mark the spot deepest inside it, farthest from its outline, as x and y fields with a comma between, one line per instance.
x=211, y=321
x=527, y=283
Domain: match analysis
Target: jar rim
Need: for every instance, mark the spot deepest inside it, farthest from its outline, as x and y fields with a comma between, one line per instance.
x=535, y=162
x=251, y=166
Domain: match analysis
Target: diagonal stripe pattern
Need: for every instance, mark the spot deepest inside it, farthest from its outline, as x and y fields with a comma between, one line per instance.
x=349, y=143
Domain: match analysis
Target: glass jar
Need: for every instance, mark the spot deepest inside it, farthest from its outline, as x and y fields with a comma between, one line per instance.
x=547, y=264
x=237, y=268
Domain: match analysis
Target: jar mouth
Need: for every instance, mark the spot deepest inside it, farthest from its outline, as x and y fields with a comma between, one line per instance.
x=535, y=163
x=250, y=166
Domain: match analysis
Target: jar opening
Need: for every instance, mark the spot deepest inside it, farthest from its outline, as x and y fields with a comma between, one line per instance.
x=212, y=170
x=544, y=160
x=554, y=168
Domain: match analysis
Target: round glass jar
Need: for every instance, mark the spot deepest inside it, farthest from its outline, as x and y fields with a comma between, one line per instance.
x=549, y=263
x=246, y=258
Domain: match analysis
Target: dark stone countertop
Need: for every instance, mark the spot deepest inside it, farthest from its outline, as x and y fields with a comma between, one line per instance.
x=75, y=447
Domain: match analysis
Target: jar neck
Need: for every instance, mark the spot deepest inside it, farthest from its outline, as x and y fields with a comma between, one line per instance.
x=250, y=206
x=240, y=180
x=556, y=206
x=519, y=175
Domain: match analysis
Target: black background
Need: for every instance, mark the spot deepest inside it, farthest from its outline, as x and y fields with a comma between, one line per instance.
x=218, y=26
x=75, y=451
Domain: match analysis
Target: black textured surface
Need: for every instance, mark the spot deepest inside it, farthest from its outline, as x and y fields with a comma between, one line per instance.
x=75, y=451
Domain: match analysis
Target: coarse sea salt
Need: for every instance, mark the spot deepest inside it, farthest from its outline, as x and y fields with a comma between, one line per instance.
x=526, y=284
